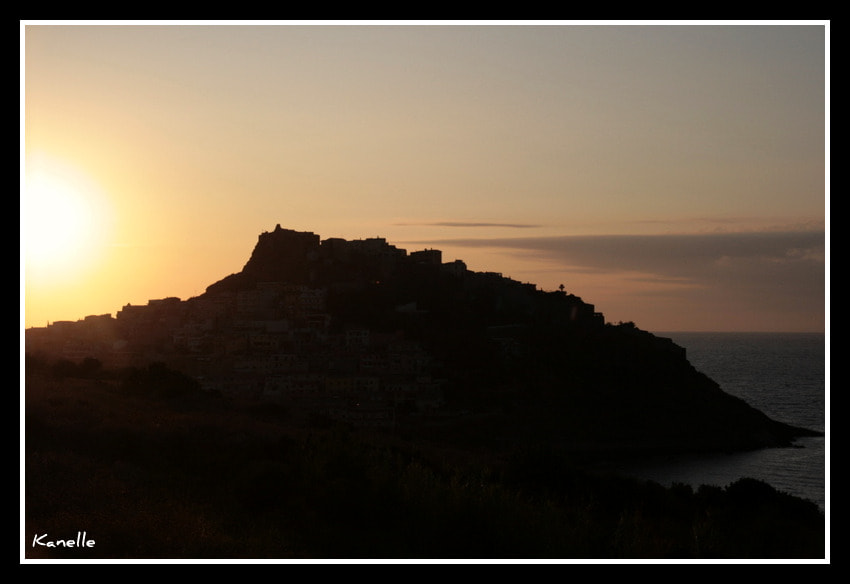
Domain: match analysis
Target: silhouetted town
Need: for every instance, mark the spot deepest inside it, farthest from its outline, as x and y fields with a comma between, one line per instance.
x=269, y=333
x=362, y=332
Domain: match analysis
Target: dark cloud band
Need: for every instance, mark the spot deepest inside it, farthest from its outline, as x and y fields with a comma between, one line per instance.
x=776, y=273
x=473, y=224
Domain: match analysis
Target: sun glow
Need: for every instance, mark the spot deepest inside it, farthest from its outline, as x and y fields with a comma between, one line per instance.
x=66, y=223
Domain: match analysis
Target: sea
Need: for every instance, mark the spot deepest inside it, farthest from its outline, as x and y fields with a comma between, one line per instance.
x=782, y=374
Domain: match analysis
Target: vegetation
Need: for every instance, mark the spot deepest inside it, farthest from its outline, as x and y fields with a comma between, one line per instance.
x=152, y=468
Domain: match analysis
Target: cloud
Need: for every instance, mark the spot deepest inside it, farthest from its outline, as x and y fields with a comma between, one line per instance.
x=776, y=273
x=473, y=224
x=674, y=255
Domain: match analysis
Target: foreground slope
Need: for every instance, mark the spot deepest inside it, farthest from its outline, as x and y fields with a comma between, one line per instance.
x=154, y=474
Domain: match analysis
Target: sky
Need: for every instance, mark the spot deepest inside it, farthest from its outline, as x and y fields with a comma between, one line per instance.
x=673, y=175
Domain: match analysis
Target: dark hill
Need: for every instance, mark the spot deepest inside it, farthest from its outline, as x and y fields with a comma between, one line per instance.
x=368, y=334
x=523, y=365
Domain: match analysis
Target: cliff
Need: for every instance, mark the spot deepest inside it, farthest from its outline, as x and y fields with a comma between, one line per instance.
x=362, y=332
x=524, y=364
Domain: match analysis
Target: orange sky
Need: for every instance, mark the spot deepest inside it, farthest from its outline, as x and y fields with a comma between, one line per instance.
x=673, y=176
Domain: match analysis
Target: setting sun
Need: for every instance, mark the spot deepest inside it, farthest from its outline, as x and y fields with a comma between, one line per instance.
x=66, y=223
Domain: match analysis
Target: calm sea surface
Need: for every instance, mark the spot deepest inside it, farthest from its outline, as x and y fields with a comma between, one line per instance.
x=781, y=374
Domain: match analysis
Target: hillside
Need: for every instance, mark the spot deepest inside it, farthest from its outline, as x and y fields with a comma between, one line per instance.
x=368, y=334
x=148, y=466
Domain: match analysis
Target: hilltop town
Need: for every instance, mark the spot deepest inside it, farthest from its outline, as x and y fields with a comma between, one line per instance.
x=295, y=326
x=365, y=333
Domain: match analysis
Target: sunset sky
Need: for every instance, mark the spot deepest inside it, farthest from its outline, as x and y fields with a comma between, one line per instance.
x=675, y=176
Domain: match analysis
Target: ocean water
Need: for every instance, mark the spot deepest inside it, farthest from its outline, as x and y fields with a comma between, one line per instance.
x=781, y=374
